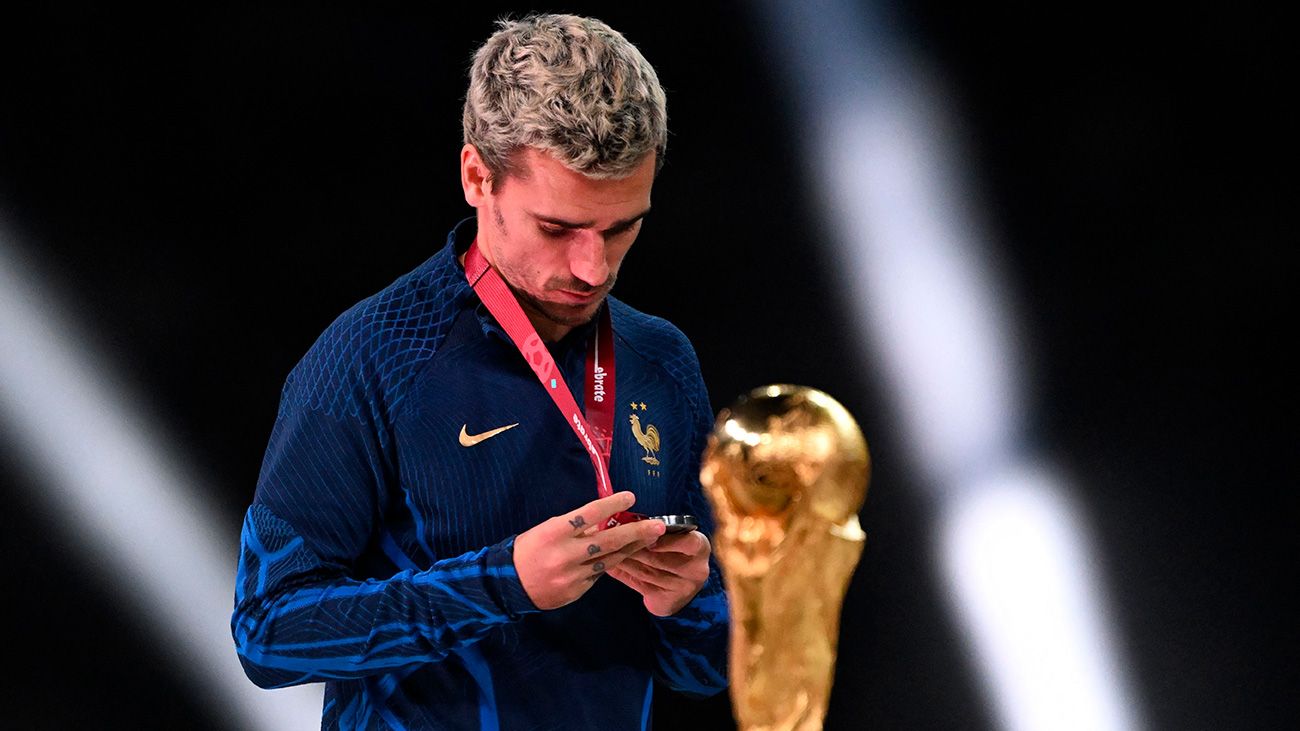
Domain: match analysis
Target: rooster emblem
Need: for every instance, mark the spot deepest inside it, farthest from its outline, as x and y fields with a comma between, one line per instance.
x=648, y=439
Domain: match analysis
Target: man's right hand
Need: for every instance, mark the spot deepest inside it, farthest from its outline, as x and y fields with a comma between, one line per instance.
x=561, y=558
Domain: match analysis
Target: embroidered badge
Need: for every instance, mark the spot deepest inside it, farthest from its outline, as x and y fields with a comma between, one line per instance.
x=648, y=438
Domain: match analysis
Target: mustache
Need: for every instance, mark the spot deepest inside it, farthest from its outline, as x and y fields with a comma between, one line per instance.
x=579, y=286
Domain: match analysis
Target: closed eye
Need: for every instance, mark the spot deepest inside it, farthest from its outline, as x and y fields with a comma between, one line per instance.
x=555, y=228
x=622, y=229
x=556, y=232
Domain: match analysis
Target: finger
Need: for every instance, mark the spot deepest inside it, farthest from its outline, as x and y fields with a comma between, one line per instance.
x=673, y=563
x=690, y=544
x=614, y=558
x=643, y=532
x=637, y=585
x=609, y=548
x=621, y=541
x=594, y=570
x=673, y=571
x=661, y=580
x=595, y=513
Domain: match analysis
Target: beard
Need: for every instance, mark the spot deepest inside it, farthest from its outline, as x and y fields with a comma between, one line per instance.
x=567, y=315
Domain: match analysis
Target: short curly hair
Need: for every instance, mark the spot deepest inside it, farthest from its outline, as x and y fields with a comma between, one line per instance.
x=570, y=86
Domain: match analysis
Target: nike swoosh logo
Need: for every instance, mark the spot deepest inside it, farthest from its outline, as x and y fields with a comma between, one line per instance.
x=467, y=440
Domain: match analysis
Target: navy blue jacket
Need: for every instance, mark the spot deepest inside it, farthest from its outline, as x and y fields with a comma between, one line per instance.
x=377, y=553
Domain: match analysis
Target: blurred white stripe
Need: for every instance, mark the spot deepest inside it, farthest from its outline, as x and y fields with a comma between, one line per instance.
x=127, y=500
x=1018, y=565
x=914, y=266
x=916, y=274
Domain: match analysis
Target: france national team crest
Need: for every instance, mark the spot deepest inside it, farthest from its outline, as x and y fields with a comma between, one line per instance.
x=647, y=437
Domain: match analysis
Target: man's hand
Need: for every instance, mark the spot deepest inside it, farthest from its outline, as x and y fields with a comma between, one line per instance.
x=668, y=574
x=559, y=559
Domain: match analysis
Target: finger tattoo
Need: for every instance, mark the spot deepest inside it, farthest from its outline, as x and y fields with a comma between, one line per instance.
x=577, y=522
x=598, y=567
x=593, y=549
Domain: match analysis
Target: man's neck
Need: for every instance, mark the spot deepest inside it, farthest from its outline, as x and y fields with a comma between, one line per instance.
x=547, y=329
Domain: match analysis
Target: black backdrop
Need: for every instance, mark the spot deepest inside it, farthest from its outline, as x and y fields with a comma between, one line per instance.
x=211, y=186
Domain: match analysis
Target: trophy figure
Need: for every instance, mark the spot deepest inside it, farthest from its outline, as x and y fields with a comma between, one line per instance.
x=786, y=470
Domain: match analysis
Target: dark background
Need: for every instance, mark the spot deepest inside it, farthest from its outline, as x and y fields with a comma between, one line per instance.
x=212, y=186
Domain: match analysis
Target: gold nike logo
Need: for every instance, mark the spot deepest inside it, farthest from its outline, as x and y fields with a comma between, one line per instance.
x=467, y=440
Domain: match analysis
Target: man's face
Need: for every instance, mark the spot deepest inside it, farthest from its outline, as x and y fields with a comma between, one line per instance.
x=559, y=237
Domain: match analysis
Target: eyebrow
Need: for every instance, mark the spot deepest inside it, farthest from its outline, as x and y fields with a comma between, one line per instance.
x=584, y=224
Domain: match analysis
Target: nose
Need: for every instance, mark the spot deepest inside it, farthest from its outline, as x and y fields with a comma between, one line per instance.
x=587, y=258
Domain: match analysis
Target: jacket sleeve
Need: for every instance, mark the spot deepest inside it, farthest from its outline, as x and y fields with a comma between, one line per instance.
x=306, y=607
x=692, y=650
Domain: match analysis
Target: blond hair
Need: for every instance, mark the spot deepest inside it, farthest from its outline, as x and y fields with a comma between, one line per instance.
x=567, y=85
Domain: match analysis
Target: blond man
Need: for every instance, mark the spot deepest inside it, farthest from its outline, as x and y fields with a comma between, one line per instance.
x=443, y=531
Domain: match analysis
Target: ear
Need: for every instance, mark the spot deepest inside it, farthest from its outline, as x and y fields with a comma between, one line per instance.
x=475, y=178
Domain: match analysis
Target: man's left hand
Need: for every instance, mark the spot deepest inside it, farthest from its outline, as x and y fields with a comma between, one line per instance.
x=668, y=574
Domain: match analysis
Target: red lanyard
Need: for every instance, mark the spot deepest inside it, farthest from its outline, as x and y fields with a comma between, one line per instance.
x=596, y=433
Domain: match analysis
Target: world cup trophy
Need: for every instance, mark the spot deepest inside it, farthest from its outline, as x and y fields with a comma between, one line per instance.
x=786, y=470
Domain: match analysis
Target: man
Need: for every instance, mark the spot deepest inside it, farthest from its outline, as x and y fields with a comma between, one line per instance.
x=424, y=536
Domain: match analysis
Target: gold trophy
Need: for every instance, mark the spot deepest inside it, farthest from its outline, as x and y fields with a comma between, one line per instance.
x=786, y=470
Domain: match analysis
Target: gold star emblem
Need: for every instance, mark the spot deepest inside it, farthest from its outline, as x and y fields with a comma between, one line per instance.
x=643, y=406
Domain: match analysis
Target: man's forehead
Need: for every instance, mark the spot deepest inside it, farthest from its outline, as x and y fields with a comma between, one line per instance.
x=551, y=191
x=583, y=222
x=527, y=160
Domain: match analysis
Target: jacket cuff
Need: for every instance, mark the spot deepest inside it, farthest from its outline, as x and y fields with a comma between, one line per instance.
x=499, y=564
x=706, y=613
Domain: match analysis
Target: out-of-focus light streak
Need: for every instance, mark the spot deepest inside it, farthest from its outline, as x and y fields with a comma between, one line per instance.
x=126, y=500
x=1019, y=566
x=913, y=266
